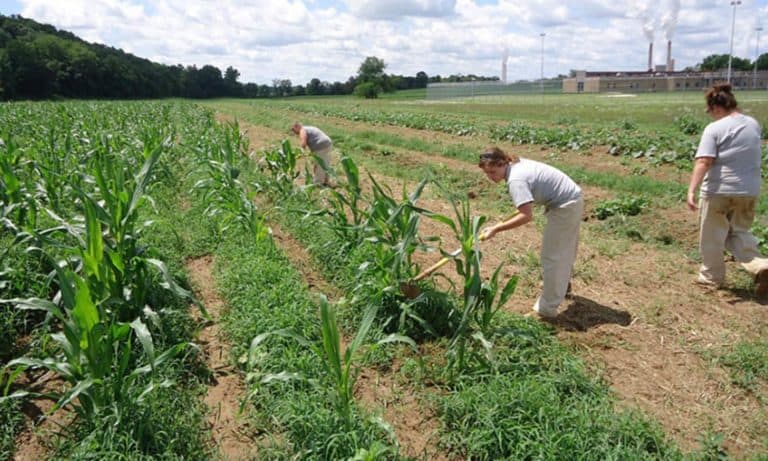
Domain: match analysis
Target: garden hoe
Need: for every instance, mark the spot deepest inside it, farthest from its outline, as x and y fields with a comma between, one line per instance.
x=411, y=290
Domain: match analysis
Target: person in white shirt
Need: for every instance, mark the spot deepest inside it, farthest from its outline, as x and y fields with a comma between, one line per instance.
x=726, y=171
x=534, y=183
x=320, y=145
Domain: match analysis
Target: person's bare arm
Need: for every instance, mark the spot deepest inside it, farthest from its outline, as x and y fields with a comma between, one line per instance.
x=524, y=215
x=700, y=168
x=303, y=138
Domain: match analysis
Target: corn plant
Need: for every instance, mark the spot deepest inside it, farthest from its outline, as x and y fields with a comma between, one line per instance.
x=228, y=199
x=474, y=325
x=337, y=362
x=281, y=165
x=18, y=202
x=96, y=358
x=107, y=238
x=392, y=226
x=345, y=207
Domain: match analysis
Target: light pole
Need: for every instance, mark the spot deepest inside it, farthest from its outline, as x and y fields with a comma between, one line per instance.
x=734, y=4
x=542, y=35
x=757, y=55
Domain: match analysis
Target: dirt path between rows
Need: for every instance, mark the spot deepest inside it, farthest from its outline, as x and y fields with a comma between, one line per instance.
x=32, y=443
x=226, y=387
x=638, y=317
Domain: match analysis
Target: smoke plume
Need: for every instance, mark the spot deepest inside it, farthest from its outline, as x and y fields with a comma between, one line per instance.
x=669, y=18
x=643, y=10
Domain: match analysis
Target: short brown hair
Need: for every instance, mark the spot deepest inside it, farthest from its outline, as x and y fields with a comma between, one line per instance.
x=493, y=156
x=720, y=95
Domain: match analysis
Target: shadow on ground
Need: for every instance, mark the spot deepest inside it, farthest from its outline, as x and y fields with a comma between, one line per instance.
x=581, y=314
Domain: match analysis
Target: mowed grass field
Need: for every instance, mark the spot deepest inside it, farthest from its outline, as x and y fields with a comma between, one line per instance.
x=299, y=342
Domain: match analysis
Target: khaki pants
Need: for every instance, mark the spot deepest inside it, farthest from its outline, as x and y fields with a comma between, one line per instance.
x=725, y=225
x=322, y=165
x=558, y=253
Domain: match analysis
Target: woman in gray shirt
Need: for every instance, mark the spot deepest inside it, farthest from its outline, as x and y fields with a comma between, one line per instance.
x=727, y=172
x=534, y=183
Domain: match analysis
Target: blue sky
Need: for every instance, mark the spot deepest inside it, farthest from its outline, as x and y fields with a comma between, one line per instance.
x=328, y=39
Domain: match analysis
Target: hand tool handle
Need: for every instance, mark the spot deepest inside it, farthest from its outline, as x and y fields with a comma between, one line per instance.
x=442, y=262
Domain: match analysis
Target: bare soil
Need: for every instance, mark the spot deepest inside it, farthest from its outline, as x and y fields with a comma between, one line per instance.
x=32, y=443
x=230, y=432
x=636, y=315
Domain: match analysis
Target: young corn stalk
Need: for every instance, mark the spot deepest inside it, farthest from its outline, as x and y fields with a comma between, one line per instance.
x=474, y=326
x=18, y=202
x=96, y=358
x=228, y=199
x=281, y=165
x=337, y=361
x=392, y=227
x=345, y=207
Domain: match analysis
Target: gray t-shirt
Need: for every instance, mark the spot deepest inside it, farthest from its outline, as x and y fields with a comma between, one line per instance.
x=532, y=181
x=316, y=139
x=734, y=142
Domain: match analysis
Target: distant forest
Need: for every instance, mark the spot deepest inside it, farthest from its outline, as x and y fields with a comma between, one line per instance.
x=38, y=61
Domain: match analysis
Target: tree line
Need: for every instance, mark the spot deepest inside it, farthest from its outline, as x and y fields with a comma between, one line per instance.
x=39, y=61
x=720, y=61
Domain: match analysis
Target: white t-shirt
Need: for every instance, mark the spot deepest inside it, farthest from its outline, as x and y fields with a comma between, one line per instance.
x=734, y=143
x=532, y=181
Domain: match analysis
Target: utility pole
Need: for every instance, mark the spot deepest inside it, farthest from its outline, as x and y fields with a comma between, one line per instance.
x=734, y=4
x=758, y=29
x=542, y=35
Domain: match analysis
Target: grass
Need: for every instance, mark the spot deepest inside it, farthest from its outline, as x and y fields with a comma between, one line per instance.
x=648, y=111
x=13, y=419
x=748, y=363
x=542, y=405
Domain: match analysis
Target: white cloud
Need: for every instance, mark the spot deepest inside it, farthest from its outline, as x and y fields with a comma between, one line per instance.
x=395, y=9
x=328, y=39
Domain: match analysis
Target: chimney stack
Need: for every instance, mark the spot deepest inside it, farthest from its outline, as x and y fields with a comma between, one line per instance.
x=650, y=57
x=670, y=62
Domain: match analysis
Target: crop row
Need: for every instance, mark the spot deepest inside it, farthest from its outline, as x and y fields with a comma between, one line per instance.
x=91, y=284
x=675, y=145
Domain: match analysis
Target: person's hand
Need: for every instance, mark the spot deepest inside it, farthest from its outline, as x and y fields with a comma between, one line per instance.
x=487, y=233
x=691, y=201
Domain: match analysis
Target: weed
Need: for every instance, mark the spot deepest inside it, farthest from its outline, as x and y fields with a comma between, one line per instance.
x=748, y=362
x=624, y=206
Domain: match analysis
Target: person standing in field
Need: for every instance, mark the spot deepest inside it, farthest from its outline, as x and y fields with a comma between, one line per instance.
x=530, y=182
x=320, y=145
x=726, y=169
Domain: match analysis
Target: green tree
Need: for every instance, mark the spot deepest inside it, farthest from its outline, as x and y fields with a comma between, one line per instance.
x=762, y=62
x=231, y=85
x=315, y=87
x=367, y=90
x=371, y=70
x=720, y=62
x=421, y=79
x=370, y=78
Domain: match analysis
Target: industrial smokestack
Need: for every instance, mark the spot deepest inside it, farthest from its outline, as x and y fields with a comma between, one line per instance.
x=504, y=59
x=670, y=66
x=650, y=57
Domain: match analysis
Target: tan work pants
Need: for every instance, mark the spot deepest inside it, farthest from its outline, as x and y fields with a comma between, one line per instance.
x=322, y=165
x=558, y=253
x=725, y=225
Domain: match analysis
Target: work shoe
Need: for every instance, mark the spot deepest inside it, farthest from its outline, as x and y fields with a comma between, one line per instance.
x=761, y=284
x=707, y=283
x=545, y=313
